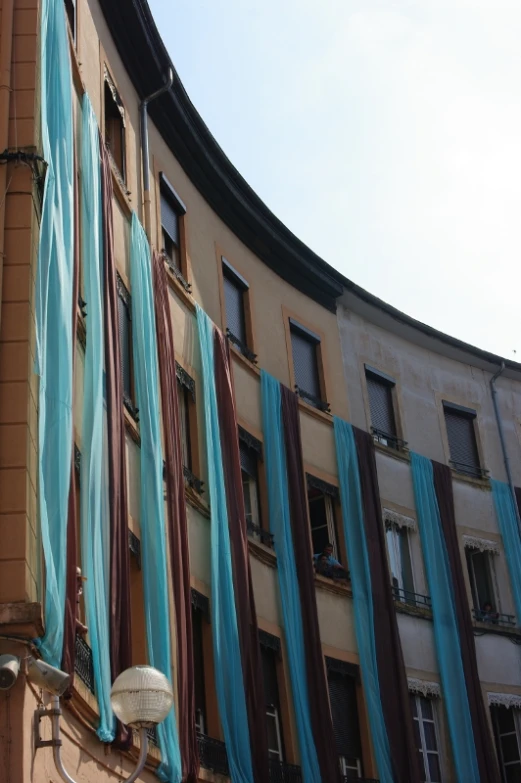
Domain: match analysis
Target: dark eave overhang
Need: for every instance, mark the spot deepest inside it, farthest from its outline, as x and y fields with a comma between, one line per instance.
x=146, y=60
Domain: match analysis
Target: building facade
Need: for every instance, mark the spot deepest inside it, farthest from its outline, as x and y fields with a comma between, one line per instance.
x=192, y=405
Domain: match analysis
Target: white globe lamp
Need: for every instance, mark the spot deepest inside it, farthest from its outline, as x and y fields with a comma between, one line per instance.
x=141, y=697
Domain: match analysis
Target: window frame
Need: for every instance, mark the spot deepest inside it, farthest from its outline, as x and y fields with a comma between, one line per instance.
x=516, y=714
x=343, y=669
x=108, y=83
x=129, y=397
x=401, y=532
x=393, y=440
x=270, y=645
x=228, y=270
x=490, y=576
x=477, y=472
x=437, y=734
x=186, y=391
x=293, y=324
x=165, y=190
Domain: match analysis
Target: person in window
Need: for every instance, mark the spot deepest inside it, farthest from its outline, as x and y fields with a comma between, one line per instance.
x=488, y=613
x=327, y=565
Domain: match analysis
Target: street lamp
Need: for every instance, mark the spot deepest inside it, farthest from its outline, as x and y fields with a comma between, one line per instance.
x=141, y=697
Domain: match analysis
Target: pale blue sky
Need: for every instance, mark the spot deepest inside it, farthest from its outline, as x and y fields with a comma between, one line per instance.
x=386, y=134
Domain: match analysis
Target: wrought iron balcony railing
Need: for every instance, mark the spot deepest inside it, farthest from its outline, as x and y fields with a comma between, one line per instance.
x=243, y=348
x=474, y=471
x=312, y=399
x=494, y=618
x=264, y=535
x=212, y=754
x=192, y=480
x=281, y=772
x=83, y=666
x=413, y=599
x=177, y=272
x=391, y=441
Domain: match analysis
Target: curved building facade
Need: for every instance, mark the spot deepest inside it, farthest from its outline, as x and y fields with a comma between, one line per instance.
x=220, y=457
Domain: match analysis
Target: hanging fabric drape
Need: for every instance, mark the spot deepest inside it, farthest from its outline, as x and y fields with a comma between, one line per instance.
x=54, y=287
x=280, y=526
x=177, y=524
x=488, y=768
x=320, y=713
x=392, y=679
x=120, y=617
x=244, y=597
x=360, y=571
x=71, y=587
x=446, y=635
x=152, y=511
x=95, y=536
x=229, y=682
x=506, y=515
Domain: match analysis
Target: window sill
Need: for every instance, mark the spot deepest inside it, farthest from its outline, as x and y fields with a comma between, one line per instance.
x=402, y=456
x=262, y=552
x=415, y=611
x=480, y=629
x=315, y=412
x=333, y=586
x=481, y=483
x=182, y=293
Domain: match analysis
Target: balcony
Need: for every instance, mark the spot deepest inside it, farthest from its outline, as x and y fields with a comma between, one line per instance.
x=494, y=618
x=411, y=599
x=280, y=772
x=212, y=754
x=83, y=665
x=391, y=441
x=473, y=471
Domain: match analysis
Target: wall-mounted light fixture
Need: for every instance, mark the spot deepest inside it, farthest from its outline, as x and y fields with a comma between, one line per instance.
x=141, y=697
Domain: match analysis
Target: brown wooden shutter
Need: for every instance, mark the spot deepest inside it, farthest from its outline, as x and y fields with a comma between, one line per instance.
x=462, y=439
x=380, y=392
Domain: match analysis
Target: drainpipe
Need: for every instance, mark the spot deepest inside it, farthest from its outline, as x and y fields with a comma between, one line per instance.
x=502, y=441
x=144, y=148
x=6, y=47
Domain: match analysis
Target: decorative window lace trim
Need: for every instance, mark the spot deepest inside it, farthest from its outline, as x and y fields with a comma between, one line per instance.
x=394, y=518
x=481, y=544
x=505, y=700
x=431, y=690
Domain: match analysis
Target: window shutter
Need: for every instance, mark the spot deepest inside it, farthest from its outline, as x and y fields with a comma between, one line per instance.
x=381, y=404
x=344, y=711
x=462, y=440
x=248, y=460
x=124, y=340
x=234, y=300
x=170, y=220
x=305, y=363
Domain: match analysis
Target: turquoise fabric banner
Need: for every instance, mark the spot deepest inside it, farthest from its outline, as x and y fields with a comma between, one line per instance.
x=229, y=682
x=506, y=515
x=446, y=634
x=95, y=522
x=54, y=292
x=152, y=508
x=356, y=544
x=280, y=526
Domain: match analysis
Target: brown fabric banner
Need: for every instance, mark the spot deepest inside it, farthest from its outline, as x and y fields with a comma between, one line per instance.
x=321, y=721
x=394, y=693
x=119, y=606
x=244, y=598
x=488, y=767
x=177, y=524
x=71, y=585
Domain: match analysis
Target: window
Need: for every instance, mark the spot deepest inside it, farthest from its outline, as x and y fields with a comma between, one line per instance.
x=305, y=347
x=115, y=126
x=70, y=10
x=341, y=680
x=400, y=562
x=507, y=734
x=187, y=426
x=199, y=610
x=380, y=392
x=482, y=581
x=125, y=342
x=426, y=736
x=269, y=656
x=172, y=211
x=236, y=300
x=322, y=521
x=250, y=487
x=460, y=424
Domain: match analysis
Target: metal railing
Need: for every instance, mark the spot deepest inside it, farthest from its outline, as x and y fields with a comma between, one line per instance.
x=265, y=536
x=474, y=471
x=494, y=618
x=391, y=441
x=83, y=665
x=243, y=348
x=281, y=772
x=413, y=599
x=212, y=754
x=177, y=272
x=192, y=480
x=313, y=400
